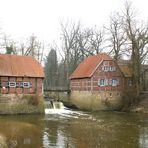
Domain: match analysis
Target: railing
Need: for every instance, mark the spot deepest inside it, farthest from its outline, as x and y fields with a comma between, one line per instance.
x=57, y=89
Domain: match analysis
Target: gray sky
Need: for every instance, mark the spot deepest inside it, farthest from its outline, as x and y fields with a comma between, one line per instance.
x=22, y=18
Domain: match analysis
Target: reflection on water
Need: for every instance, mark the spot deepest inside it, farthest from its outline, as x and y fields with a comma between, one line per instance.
x=75, y=129
x=143, y=137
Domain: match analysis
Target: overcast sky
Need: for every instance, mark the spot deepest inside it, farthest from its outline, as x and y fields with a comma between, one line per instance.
x=22, y=18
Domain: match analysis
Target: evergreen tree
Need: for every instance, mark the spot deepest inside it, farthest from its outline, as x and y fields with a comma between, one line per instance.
x=51, y=70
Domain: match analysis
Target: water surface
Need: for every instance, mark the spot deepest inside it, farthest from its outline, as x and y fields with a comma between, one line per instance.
x=75, y=129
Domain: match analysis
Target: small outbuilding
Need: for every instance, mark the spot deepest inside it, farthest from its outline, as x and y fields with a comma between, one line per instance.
x=20, y=75
x=21, y=78
x=98, y=82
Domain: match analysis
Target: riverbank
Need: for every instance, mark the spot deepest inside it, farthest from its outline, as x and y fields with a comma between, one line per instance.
x=21, y=104
x=141, y=107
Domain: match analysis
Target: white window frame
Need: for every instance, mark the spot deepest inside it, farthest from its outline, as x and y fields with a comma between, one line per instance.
x=17, y=84
x=21, y=85
x=12, y=84
x=103, y=82
x=28, y=84
x=115, y=82
x=105, y=68
x=112, y=68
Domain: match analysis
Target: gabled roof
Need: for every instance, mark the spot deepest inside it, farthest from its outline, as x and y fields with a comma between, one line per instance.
x=14, y=65
x=87, y=67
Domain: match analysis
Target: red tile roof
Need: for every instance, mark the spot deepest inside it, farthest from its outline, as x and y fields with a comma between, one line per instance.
x=87, y=67
x=14, y=65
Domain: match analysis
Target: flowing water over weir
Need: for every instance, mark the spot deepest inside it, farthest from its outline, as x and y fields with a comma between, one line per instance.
x=55, y=107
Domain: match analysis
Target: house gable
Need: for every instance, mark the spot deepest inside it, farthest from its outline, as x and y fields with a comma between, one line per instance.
x=107, y=76
x=87, y=67
x=106, y=70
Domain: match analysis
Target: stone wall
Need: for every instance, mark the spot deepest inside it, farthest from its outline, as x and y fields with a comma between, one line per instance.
x=103, y=100
x=21, y=104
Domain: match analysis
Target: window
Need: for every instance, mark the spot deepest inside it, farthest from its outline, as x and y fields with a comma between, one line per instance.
x=114, y=82
x=26, y=85
x=12, y=84
x=112, y=68
x=102, y=82
x=30, y=84
x=105, y=68
x=21, y=84
x=17, y=84
x=5, y=84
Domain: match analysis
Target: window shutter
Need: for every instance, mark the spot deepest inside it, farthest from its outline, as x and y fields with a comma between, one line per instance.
x=98, y=82
x=106, y=82
x=110, y=81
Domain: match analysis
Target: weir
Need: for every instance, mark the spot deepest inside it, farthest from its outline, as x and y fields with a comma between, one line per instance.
x=54, y=107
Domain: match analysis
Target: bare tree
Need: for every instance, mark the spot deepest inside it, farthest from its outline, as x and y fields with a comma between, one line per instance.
x=70, y=32
x=32, y=47
x=117, y=36
x=79, y=43
x=83, y=40
x=138, y=39
x=96, y=40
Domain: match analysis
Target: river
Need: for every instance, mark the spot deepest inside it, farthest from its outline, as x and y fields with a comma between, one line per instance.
x=66, y=128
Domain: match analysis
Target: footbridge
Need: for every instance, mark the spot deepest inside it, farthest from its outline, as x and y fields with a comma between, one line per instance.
x=57, y=93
